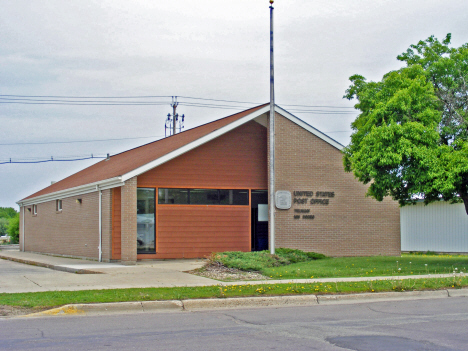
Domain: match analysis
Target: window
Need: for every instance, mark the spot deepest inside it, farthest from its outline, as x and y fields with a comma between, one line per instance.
x=173, y=196
x=34, y=210
x=146, y=220
x=58, y=205
x=203, y=197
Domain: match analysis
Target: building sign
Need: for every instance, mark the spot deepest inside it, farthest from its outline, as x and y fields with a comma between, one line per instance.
x=311, y=198
x=283, y=199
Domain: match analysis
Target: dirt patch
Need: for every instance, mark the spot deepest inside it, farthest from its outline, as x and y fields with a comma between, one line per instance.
x=215, y=270
x=7, y=311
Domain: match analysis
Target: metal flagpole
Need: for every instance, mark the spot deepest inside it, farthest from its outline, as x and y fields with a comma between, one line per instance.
x=272, y=137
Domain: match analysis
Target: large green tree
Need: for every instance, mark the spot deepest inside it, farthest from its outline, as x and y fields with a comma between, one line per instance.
x=410, y=140
x=7, y=212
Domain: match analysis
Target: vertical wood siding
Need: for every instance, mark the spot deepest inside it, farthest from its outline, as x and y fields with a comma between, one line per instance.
x=440, y=227
x=237, y=159
x=197, y=231
x=116, y=224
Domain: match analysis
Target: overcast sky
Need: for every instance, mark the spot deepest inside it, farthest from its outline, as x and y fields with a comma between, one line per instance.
x=210, y=49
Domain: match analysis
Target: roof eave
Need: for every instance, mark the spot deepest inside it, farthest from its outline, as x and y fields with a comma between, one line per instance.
x=79, y=190
x=309, y=128
x=194, y=144
x=120, y=181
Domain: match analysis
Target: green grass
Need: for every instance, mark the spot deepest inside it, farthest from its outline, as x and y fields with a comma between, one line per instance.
x=408, y=264
x=58, y=298
x=296, y=264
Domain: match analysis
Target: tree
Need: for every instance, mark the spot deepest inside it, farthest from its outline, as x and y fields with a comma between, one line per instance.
x=13, y=230
x=3, y=226
x=410, y=140
x=7, y=212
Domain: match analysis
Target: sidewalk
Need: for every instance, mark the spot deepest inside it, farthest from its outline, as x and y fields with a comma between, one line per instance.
x=61, y=275
x=94, y=275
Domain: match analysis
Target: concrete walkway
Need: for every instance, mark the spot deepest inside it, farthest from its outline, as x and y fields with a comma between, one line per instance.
x=61, y=274
x=93, y=274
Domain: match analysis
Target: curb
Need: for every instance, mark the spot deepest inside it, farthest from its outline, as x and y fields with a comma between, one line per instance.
x=247, y=302
x=382, y=296
x=98, y=309
x=50, y=266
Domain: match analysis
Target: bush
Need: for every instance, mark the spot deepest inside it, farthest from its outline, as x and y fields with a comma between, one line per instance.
x=13, y=230
x=4, y=226
x=248, y=261
x=258, y=260
x=294, y=256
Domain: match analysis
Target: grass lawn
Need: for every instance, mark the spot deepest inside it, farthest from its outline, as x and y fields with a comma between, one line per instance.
x=407, y=264
x=51, y=299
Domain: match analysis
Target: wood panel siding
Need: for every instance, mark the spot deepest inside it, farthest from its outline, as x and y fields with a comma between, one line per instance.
x=237, y=159
x=116, y=224
x=197, y=231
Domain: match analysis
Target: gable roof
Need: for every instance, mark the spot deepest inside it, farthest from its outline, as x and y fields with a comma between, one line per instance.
x=128, y=164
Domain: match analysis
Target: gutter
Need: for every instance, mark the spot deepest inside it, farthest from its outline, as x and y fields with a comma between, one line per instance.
x=79, y=190
x=100, y=223
x=22, y=230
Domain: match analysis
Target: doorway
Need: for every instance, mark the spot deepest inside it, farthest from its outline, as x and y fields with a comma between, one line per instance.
x=259, y=204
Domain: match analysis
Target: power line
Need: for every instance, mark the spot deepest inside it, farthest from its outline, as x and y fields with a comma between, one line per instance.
x=88, y=97
x=77, y=103
x=79, y=141
x=52, y=159
x=34, y=99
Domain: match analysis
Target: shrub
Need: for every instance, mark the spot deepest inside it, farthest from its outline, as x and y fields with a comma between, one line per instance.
x=294, y=256
x=258, y=260
x=248, y=261
x=4, y=226
x=13, y=230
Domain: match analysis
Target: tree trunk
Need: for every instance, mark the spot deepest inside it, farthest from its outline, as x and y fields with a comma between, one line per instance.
x=465, y=201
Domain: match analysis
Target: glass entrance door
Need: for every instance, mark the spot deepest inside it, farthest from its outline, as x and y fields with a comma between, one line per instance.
x=146, y=233
x=259, y=203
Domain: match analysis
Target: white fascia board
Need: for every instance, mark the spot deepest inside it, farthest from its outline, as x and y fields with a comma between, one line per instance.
x=79, y=190
x=309, y=128
x=194, y=144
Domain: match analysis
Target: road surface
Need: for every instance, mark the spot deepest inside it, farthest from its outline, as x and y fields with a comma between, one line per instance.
x=436, y=324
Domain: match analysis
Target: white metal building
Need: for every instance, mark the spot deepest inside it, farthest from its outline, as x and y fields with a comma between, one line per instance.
x=439, y=227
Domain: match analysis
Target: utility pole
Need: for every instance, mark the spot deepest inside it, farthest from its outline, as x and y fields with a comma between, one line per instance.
x=174, y=108
x=173, y=120
x=272, y=137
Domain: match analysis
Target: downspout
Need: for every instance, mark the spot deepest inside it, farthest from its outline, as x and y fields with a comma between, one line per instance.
x=22, y=228
x=100, y=224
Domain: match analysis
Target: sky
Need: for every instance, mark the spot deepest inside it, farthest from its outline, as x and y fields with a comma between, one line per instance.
x=205, y=49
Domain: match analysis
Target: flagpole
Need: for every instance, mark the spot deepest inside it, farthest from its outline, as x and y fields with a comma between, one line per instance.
x=272, y=137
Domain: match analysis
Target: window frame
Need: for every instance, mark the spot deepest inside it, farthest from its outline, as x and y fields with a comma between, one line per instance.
x=58, y=205
x=161, y=201
x=34, y=210
x=152, y=252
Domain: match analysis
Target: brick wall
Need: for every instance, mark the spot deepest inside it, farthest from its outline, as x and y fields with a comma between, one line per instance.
x=351, y=224
x=74, y=231
x=129, y=222
x=106, y=225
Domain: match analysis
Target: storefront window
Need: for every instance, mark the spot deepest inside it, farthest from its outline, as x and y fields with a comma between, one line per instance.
x=173, y=196
x=234, y=197
x=203, y=197
x=146, y=221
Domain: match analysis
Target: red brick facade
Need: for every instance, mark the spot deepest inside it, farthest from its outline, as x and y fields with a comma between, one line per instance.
x=106, y=224
x=351, y=224
x=342, y=220
x=74, y=231
x=129, y=222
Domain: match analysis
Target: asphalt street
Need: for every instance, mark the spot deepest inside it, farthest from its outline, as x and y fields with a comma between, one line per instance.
x=438, y=324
